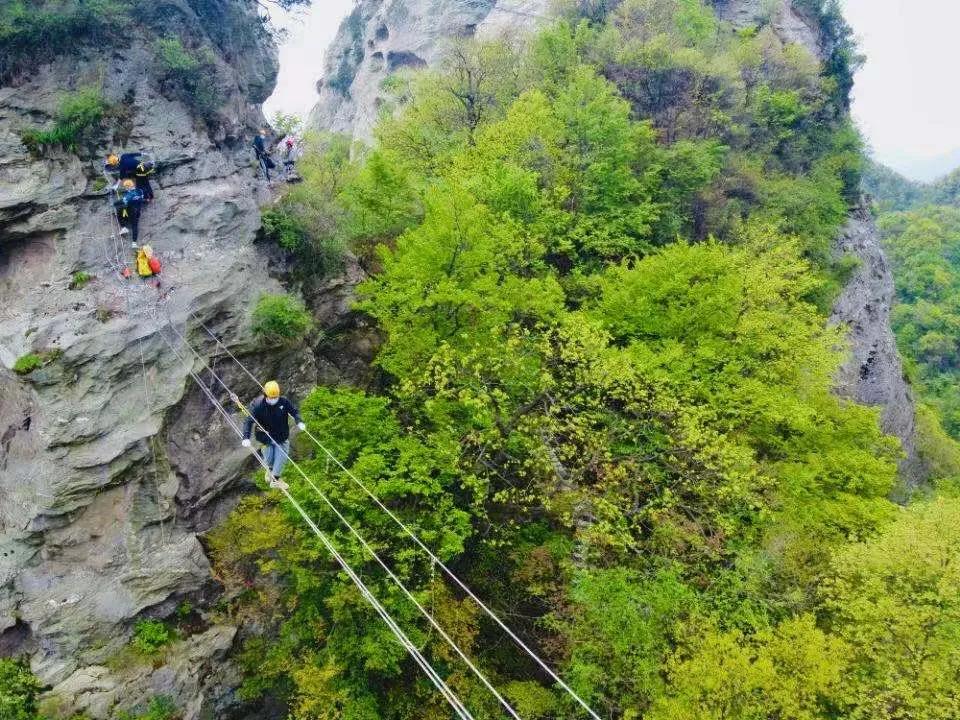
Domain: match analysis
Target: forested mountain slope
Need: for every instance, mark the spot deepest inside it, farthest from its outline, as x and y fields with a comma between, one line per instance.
x=603, y=264
x=597, y=313
x=892, y=191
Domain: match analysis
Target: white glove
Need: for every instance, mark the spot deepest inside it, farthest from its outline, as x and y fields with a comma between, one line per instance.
x=302, y=425
x=245, y=442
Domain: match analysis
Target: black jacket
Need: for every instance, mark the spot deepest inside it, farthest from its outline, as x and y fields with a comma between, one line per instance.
x=273, y=418
x=128, y=165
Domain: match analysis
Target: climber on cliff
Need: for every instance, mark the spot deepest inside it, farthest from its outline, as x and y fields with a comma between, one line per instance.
x=263, y=157
x=271, y=413
x=291, y=149
x=128, y=205
x=132, y=166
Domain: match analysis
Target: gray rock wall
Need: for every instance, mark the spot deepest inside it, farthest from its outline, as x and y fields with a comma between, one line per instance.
x=873, y=373
x=111, y=461
x=382, y=36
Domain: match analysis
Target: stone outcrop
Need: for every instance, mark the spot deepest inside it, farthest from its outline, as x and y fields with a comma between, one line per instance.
x=381, y=37
x=790, y=24
x=873, y=374
x=111, y=461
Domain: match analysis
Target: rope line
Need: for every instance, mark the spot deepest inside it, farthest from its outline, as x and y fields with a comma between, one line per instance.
x=147, y=395
x=405, y=641
x=373, y=554
x=447, y=571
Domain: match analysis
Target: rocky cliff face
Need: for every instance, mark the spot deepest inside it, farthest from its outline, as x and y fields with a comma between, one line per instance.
x=111, y=462
x=873, y=374
x=382, y=35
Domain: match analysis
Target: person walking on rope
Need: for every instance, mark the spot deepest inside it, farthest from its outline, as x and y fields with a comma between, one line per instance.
x=129, y=203
x=271, y=413
x=263, y=157
x=132, y=166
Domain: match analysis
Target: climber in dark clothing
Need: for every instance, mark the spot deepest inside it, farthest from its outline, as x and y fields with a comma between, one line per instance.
x=271, y=413
x=133, y=166
x=263, y=157
x=128, y=204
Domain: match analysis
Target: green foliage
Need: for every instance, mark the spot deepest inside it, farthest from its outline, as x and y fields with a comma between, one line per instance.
x=281, y=319
x=160, y=707
x=79, y=121
x=890, y=190
x=36, y=360
x=895, y=602
x=18, y=691
x=791, y=671
x=149, y=636
x=606, y=390
x=189, y=75
x=323, y=625
x=28, y=363
x=32, y=33
x=309, y=220
x=946, y=191
x=80, y=279
x=893, y=192
x=286, y=123
x=924, y=248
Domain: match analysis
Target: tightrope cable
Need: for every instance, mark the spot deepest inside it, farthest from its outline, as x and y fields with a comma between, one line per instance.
x=373, y=554
x=447, y=571
x=405, y=641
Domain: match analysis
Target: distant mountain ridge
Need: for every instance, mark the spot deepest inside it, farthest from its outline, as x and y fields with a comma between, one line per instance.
x=893, y=191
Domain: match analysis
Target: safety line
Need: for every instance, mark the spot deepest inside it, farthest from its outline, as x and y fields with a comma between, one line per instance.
x=405, y=641
x=148, y=397
x=461, y=584
x=346, y=523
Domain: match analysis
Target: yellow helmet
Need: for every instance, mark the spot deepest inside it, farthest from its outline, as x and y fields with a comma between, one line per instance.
x=129, y=184
x=113, y=160
x=271, y=389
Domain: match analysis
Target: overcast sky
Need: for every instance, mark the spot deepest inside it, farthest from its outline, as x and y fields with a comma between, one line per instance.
x=907, y=98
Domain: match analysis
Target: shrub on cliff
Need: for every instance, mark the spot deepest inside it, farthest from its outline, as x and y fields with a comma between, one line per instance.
x=281, y=319
x=79, y=121
x=149, y=636
x=18, y=691
x=190, y=75
x=35, y=32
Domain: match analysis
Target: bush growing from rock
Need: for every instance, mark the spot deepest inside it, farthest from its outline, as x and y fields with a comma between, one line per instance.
x=28, y=363
x=80, y=280
x=18, y=691
x=190, y=75
x=151, y=635
x=79, y=119
x=281, y=319
x=160, y=707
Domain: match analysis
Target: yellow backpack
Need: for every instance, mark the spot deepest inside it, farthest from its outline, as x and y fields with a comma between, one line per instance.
x=143, y=261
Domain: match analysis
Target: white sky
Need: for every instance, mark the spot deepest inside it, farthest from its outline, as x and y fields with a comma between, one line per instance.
x=310, y=33
x=907, y=98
